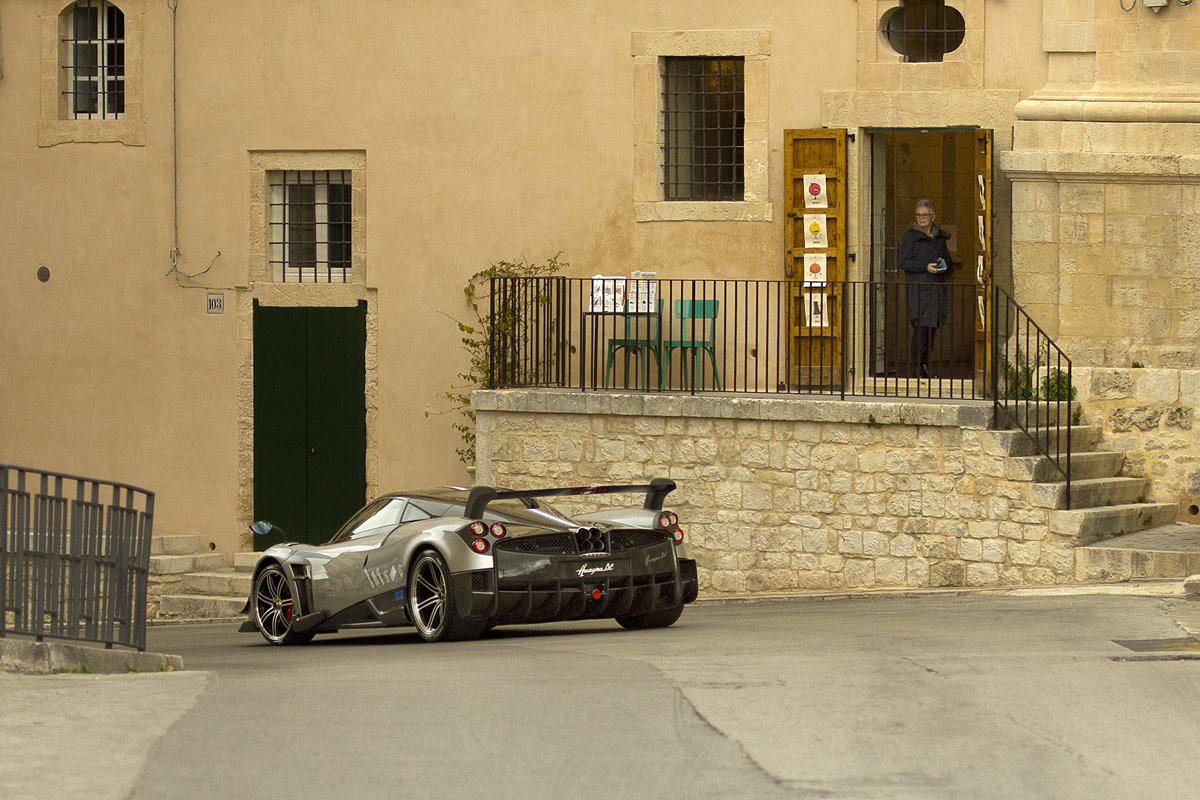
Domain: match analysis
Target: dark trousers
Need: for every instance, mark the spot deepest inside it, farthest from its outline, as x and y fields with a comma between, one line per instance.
x=921, y=347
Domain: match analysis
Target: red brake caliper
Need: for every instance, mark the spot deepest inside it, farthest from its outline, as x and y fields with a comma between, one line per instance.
x=287, y=611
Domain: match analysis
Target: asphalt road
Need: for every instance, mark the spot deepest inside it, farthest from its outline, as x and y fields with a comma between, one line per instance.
x=929, y=697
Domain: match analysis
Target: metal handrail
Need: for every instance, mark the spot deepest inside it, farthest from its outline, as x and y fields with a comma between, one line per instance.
x=74, y=557
x=1033, y=385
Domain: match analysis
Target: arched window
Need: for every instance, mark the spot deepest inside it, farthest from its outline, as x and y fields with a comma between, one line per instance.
x=94, y=60
x=923, y=30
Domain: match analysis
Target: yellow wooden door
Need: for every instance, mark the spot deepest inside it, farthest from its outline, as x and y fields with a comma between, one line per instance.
x=983, y=264
x=813, y=157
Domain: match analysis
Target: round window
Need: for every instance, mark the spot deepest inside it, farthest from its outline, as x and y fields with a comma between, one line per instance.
x=923, y=30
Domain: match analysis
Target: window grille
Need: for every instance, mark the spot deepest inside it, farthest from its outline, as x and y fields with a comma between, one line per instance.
x=310, y=231
x=924, y=30
x=704, y=119
x=95, y=61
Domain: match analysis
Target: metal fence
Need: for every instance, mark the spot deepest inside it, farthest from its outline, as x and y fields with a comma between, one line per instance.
x=74, y=557
x=844, y=339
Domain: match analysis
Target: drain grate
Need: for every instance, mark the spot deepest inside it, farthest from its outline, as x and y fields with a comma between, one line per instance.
x=1184, y=644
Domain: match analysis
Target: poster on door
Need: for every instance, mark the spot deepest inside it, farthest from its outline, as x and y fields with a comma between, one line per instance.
x=816, y=309
x=816, y=269
x=815, y=235
x=815, y=195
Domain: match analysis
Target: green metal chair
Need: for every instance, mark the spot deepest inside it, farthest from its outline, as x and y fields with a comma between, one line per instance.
x=634, y=343
x=698, y=330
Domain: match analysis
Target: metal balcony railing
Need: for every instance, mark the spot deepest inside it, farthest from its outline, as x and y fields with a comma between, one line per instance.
x=844, y=339
x=74, y=557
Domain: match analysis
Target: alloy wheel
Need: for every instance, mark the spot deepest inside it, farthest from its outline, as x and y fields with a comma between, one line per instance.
x=428, y=595
x=273, y=605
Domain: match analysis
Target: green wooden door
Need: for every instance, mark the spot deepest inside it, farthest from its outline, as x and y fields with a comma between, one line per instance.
x=310, y=439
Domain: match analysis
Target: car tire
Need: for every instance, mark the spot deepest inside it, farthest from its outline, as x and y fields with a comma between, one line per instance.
x=431, y=605
x=275, y=609
x=651, y=619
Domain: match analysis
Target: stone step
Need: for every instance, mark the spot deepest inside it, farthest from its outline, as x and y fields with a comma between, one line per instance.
x=198, y=606
x=174, y=544
x=1083, y=466
x=1017, y=443
x=1088, y=525
x=175, y=564
x=244, y=562
x=1041, y=413
x=217, y=582
x=1166, y=551
x=1089, y=493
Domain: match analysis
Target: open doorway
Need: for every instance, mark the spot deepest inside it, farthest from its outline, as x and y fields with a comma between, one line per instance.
x=943, y=166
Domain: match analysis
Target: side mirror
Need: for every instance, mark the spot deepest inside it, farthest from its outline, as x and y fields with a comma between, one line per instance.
x=264, y=528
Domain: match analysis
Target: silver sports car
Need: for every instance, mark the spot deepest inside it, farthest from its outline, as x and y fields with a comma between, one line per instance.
x=454, y=562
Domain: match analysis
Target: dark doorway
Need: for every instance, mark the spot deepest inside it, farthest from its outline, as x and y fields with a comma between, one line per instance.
x=310, y=439
x=906, y=167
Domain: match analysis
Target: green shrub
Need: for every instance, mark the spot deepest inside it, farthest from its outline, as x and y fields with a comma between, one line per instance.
x=1057, y=385
x=477, y=335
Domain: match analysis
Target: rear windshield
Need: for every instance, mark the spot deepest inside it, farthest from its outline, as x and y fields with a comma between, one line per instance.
x=511, y=511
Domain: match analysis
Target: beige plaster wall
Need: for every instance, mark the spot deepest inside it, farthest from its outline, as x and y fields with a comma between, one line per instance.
x=489, y=131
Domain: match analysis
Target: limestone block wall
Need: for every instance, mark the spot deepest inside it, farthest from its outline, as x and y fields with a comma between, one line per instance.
x=787, y=494
x=1150, y=415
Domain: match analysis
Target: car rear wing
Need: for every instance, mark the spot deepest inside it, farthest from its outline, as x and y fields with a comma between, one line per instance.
x=656, y=491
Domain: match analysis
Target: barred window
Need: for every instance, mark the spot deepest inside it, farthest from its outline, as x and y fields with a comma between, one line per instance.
x=703, y=127
x=310, y=231
x=924, y=30
x=94, y=50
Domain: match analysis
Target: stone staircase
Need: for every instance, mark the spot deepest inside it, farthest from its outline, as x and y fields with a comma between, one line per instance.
x=1120, y=535
x=188, y=582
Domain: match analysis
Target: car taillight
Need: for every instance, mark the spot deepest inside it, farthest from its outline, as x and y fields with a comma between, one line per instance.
x=478, y=528
x=678, y=534
x=479, y=545
x=668, y=520
x=498, y=530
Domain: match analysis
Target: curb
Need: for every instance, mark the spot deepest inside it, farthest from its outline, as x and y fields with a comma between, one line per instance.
x=1165, y=588
x=50, y=658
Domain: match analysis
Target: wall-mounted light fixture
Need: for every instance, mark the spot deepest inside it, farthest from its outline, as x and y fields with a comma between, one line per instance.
x=1153, y=5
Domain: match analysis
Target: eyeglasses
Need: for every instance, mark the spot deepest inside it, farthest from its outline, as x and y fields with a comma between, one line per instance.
x=919, y=214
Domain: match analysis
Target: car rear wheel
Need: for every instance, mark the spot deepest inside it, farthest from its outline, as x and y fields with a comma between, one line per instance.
x=651, y=619
x=431, y=605
x=275, y=608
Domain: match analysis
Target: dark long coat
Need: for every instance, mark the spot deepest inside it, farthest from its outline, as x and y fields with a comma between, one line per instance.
x=927, y=300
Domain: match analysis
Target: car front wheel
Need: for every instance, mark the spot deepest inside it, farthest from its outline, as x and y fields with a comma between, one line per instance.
x=651, y=619
x=275, y=608
x=431, y=605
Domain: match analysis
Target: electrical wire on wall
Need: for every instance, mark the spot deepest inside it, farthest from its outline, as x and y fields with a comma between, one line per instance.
x=175, y=252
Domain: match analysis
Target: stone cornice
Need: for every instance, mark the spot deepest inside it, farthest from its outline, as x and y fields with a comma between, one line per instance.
x=1074, y=166
x=963, y=413
x=1108, y=110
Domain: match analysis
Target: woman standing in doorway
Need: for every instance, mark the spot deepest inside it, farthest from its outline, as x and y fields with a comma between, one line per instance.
x=925, y=259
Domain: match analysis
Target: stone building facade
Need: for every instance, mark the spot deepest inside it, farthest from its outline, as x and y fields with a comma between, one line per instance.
x=143, y=265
